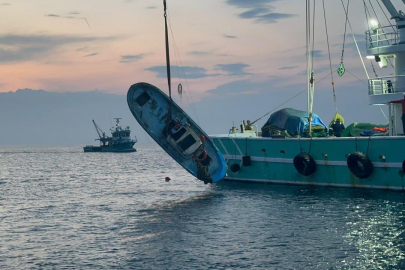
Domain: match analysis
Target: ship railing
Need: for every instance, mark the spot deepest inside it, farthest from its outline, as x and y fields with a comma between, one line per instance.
x=386, y=85
x=382, y=36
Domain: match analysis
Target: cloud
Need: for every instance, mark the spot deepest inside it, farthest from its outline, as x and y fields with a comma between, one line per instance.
x=74, y=13
x=198, y=53
x=152, y=7
x=263, y=15
x=5, y=4
x=273, y=17
x=249, y=3
x=317, y=53
x=81, y=49
x=52, y=15
x=130, y=58
x=288, y=68
x=259, y=10
x=92, y=54
x=240, y=87
x=233, y=69
x=228, y=36
x=189, y=72
x=253, y=13
x=19, y=48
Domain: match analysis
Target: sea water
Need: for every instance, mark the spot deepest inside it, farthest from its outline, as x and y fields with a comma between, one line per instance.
x=61, y=208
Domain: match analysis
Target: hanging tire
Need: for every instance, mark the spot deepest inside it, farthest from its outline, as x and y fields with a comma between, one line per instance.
x=304, y=164
x=235, y=168
x=360, y=165
x=403, y=166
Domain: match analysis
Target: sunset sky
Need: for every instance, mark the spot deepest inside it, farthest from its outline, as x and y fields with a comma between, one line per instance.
x=74, y=46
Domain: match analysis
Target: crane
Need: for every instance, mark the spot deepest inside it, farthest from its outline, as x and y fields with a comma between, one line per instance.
x=99, y=131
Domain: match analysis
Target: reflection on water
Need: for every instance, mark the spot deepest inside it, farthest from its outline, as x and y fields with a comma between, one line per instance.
x=61, y=208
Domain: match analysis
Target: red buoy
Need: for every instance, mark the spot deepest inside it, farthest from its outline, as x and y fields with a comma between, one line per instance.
x=167, y=179
x=202, y=138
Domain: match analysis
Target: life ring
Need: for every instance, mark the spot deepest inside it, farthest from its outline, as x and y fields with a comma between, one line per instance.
x=235, y=168
x=304, y=164
x=360, y=165
x=204, y=157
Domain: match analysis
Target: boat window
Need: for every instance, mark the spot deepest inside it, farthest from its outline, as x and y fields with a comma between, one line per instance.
x=178, y=134
x=142, y=99
x=187, y=142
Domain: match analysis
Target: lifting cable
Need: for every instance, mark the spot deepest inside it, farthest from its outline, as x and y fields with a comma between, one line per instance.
x=386, y=16
x=330, y=61
x=177, y=54
x=382, y=30
x=341, y=69
x=355, y=41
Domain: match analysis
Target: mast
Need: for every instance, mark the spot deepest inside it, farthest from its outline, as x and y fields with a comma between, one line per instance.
x=309, y=65
x=169, y=113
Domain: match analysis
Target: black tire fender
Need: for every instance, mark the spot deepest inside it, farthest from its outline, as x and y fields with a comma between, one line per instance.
x=304, y=164
x=403, y=166
x=235, y=168
x=360, y=165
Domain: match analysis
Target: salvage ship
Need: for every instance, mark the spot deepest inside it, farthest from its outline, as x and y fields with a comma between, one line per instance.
x=120, y=140
x=297, y=148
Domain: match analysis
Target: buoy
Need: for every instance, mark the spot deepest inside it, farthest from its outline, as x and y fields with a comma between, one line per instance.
x=167, y=179
x=202, y=138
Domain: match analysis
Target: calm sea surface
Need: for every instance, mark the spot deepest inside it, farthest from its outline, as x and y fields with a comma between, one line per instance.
x=61, y=208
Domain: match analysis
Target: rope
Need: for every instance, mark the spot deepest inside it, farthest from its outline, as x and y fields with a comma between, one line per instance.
x=372, y=65
x=356, y=77
x=344, y=36
x=368, y=145
x=386, y=16
x=313, y=38
x=189, y=97
x=288, y=100
x=382, y=30
x=330, y=60
x=355, y=41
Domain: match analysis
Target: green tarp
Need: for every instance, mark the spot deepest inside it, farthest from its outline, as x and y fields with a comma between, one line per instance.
x=355, y=129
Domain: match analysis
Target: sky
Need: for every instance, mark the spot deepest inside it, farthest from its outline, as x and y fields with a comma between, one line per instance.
x=233, y=53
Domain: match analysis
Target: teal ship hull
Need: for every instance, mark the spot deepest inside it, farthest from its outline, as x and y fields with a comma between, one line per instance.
x=121, y=148
x=272, y=160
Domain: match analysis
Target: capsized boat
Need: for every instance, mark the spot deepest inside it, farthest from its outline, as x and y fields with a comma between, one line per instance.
x=173, y=129
x=181, y=138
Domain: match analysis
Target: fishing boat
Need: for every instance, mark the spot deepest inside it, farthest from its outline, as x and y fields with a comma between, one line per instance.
x=173, y=129
x=294, y=148
x=119, y=142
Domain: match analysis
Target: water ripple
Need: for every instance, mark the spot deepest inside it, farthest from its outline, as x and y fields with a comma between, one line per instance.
x=61, y=208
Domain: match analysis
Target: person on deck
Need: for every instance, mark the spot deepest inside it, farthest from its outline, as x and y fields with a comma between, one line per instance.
x=338, y=127
x=402, y=102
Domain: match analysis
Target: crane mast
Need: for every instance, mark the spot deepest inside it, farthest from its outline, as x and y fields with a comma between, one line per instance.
x=98, y=129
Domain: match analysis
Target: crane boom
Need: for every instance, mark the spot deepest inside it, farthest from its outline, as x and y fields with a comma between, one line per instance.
x=392, y=10
x=98, y=129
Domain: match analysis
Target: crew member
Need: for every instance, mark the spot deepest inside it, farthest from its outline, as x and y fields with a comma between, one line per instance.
x=338, y=127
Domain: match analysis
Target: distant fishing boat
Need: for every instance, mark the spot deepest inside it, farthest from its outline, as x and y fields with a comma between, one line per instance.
x=120, y=140
x=174, y=130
